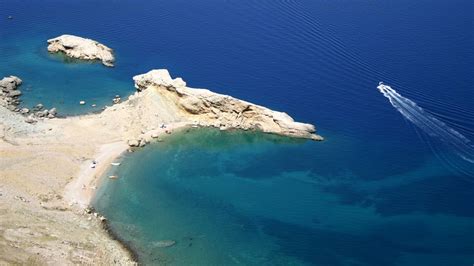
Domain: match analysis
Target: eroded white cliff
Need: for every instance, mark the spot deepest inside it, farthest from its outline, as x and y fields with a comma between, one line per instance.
x=208, y=108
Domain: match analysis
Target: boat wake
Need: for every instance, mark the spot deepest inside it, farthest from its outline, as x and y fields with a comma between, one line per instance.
x=429, y=124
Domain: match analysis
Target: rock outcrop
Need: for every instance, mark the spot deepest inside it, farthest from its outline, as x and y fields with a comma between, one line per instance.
x=40, y=223
x=10, y=99
x=208, y=108
x=9, y=92
x=81, y=48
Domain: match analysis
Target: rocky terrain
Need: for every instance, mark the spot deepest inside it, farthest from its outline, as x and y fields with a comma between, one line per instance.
x=37, y=225
x=46, y=174
x=81, y=48
x=208, y=108
x=10, y=99
x=9, y=92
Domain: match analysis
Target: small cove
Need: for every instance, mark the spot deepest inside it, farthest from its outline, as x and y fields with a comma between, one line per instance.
x=222, y=198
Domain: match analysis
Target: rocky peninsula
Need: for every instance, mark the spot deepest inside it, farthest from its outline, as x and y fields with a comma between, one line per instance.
x=46, y=174
x=208, y=108
x=81, y=48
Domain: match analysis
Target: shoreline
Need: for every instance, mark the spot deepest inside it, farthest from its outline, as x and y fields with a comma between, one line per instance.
x=107, y=154
x=48, y=174
x=82, y=189
x=133, y=254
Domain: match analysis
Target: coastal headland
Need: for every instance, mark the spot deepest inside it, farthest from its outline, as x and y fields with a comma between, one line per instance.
x=49, y=166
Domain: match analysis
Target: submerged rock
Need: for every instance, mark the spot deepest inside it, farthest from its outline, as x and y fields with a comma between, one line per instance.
x=81, y=48
x=164, y=243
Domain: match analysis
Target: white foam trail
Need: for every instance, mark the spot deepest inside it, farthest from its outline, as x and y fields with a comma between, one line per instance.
x=429, y=124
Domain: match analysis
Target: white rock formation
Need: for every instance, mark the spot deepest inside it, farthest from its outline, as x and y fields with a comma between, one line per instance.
x=81, y=48
x=218, y=110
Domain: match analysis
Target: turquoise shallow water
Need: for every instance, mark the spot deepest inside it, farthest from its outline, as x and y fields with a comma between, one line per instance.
x=56, y=81
x=252, y=199
x=377, y=191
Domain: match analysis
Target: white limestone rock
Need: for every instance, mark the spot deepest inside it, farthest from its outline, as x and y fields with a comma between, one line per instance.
x=222, y=111
x=81, y=48
x=133, y=143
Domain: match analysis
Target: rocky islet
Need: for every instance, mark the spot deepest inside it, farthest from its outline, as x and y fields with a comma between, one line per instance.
x=81, y=48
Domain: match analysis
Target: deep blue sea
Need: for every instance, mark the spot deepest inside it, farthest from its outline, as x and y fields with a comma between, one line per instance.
x=378, y=191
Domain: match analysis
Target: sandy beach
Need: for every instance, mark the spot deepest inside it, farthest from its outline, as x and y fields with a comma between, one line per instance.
x=49, y=170
x=37, y=163
x=47, y=176
x=81, y=190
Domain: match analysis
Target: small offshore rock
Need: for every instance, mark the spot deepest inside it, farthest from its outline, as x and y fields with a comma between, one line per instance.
x=81, y=48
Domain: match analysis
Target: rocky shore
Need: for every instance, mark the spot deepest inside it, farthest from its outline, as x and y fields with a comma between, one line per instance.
x=49, y=169
x=10, y=99
x=9, y=93
x=208, y=108
x=81, y=48
x=37, y=225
